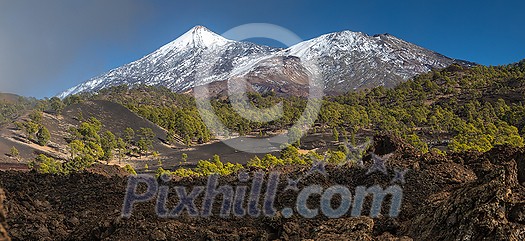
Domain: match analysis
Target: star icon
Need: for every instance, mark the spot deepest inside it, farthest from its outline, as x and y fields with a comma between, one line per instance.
x=377, y=165
x=319, y=166
x=399, y=176
x=355, y=153
x=292, y=184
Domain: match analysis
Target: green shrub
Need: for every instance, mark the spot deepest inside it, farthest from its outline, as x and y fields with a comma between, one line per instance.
x=185, y=172
x=44, y=164
x=161, y=171
x=42, y=136
x=289, y=156
x=206, y=168
x=416, y=142
x=336, y=157
x=437, y=151
x=266, y=162
x=13, y=152
x=129, y=169
x=312, y=157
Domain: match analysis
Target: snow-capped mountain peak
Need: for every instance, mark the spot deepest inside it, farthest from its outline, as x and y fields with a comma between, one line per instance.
x=354, y=60
x=198, y=36
x=347, y=61
x=176, y=64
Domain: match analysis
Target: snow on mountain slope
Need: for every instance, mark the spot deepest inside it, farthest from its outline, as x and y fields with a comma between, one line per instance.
x=353, y=60
x=175, y=64
x=347, y=61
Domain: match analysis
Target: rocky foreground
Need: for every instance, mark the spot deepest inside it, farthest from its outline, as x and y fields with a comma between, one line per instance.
x=469, y=196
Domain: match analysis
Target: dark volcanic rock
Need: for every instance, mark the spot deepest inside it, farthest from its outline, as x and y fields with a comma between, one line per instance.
x=3, y=232
x=469, y=196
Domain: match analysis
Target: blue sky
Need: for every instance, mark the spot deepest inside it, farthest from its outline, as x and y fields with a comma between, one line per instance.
x=49, y=46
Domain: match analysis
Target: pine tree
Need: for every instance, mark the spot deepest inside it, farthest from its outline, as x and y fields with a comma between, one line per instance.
x=108, y=143
x=13, y=152
x=335, y=134
x=57, y=105
x=43, y=136
x=129, y=135
x=184, y=158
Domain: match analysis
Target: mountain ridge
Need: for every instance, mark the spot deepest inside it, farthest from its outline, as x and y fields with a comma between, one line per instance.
x=347, y=60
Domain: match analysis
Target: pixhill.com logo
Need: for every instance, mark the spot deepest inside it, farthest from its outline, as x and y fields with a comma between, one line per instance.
x=248, y=198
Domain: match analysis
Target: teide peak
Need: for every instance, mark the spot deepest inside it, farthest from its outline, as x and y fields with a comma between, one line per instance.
x=347, y=61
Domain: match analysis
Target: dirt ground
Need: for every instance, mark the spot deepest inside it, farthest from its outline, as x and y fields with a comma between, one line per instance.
x=469, y=196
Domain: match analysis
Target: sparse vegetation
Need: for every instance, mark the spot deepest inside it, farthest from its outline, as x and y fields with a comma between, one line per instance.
x=289, y=156
x=57, y=105
x=129, y=169
x=14, y=153
x=145, y=142
x=42, y=136
x=108, y=143
x=184, y=158
x=204, y=168
x=45, y=164
x=456, y=103
x=451, y=110
x=87, y=145
x=11, y=110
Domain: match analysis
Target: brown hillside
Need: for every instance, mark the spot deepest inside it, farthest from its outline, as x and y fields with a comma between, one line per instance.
x=10, y=98
x=115, y=118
